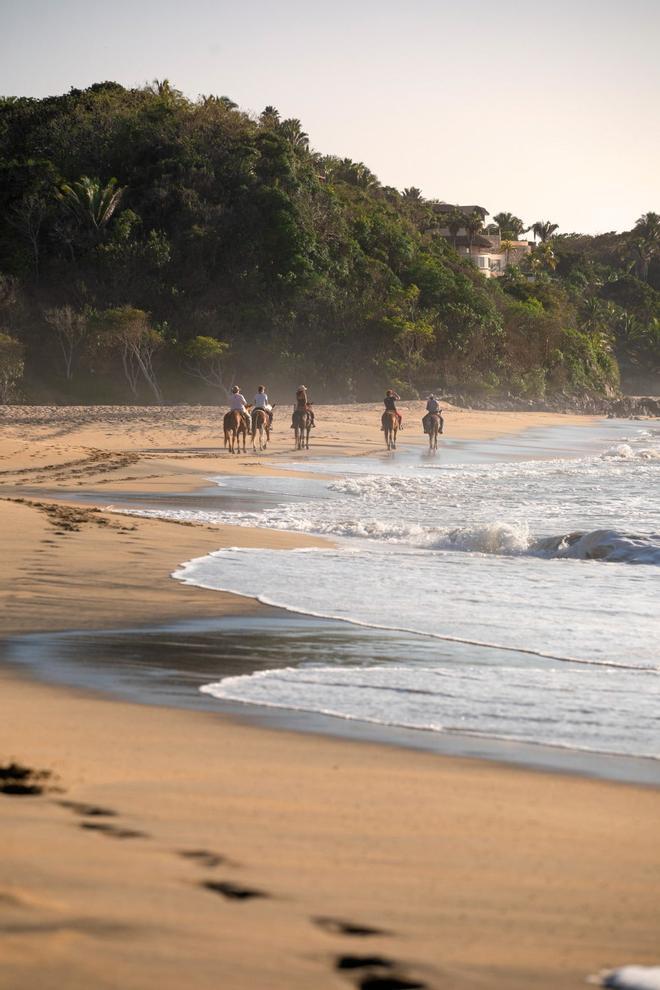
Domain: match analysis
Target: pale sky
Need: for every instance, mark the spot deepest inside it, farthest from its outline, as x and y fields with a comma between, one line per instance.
x=547, y=110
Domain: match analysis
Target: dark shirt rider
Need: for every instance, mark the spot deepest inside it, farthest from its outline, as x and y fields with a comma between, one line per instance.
x=390, y=400
x=433, y=408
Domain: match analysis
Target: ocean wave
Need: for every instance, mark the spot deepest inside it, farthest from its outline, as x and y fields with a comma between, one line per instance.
x=601, y=544
x=629, y=978
x=532, y=705
x=625, y=452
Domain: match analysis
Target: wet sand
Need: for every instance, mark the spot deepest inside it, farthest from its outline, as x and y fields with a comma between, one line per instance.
x=194, y=850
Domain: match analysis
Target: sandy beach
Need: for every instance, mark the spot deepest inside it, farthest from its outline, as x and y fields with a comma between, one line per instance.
x=173, y=848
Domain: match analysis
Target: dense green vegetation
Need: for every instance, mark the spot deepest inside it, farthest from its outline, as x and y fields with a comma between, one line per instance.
x=155, y=247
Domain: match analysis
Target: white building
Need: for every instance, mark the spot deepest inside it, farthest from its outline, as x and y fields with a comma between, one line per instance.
x=485, y=248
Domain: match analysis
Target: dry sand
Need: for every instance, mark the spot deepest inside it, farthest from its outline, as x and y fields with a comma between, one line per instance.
x=479, y=875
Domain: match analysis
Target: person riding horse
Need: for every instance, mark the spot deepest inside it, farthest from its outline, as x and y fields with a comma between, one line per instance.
x=303, y=405
x=238, y=403
x=432, y=409
x=261, y=402
x=390, y=400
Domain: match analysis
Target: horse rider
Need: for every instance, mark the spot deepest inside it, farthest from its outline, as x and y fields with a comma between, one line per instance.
x=432, y=409
x=238, y=403
x=390, y=400
x=261, y=402
x=302, y=405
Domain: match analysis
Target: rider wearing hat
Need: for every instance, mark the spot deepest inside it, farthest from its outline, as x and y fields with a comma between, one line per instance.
x=432, y=409
x=390, y=400
x=302, y=405
x=238, y=402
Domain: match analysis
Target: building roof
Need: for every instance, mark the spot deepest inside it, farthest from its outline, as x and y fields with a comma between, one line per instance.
x=477, y=241
x=450, y=207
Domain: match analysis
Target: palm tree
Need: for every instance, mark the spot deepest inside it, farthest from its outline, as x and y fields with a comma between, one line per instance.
x=413, y=194
x=91, y=203
x=356, y=174
x=506, y=246
x=474, y=223
x=168, y=94
x=544, y=230
x=292, y=130
x=269, y=117
x=646, y=242
x=543, y=258
x=511, y=227
x=455, y=220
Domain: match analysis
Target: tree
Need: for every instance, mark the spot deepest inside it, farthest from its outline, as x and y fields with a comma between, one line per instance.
x=544, y=230
x=456, y=220
x=412, y=194
x=646, y=242
x=542, y=258
x=291, y=129
x=474, y=223
x=28, y=217
x=507, y=247
x=413, y=328
x=269, y=118
x=129, y=331
x=12, y=364
x=203, y=358
x=511, y=227
x=71, y=327
x=91, y=204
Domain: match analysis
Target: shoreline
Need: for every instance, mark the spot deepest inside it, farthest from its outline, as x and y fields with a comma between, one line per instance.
x=514, y=868
x=192, y=848
x=146, y=670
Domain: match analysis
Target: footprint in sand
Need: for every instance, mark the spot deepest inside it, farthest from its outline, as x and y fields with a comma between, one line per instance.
x=338, y=927
x=232, y=891
x=88, y=810
x=205, y=858
x=378, y=973
x=114, y=831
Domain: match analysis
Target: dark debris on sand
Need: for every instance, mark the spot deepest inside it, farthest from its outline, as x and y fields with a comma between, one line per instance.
x=19, y=781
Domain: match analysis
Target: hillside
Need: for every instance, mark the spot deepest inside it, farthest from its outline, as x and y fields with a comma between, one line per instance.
x=152, y=247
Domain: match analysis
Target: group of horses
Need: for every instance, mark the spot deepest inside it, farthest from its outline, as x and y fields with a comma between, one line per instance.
x=433, y=426
x=237, y=429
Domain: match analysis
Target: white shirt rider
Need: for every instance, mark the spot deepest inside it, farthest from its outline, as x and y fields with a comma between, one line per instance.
x=237, y=401
x=261, y=401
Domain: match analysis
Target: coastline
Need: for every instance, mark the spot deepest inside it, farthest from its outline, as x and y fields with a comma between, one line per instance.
x=481, y=874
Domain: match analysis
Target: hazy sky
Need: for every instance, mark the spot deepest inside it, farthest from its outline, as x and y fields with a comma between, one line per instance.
x=547, y=110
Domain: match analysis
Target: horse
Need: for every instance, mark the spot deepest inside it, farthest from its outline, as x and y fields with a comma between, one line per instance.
x=302, y=425
x=234, y=425
x=261, y=425
x=390, y=422
x=433, y=425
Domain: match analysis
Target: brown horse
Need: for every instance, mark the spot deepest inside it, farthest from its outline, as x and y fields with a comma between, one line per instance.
x=302, y=425
x=433, y=425
x=260, y=425
x=235, y=426
x=390, y=422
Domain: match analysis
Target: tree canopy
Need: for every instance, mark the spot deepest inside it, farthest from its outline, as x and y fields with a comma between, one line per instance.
x=152, y=246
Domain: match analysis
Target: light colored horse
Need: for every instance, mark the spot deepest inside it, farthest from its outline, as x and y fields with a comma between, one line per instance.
x=390, y=422
x=235, y=426
x=260, y=425
x=302, y=425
